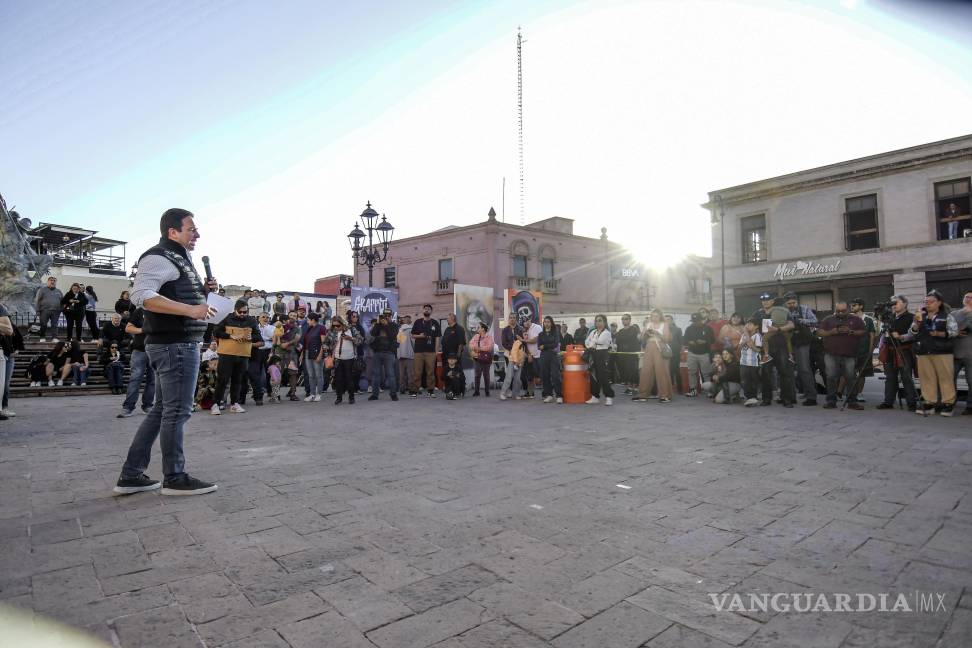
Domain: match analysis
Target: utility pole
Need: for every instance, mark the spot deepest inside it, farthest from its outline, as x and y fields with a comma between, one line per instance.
x=519, y=109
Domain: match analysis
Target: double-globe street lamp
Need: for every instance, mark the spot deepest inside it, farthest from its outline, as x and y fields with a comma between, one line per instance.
x=371, y=254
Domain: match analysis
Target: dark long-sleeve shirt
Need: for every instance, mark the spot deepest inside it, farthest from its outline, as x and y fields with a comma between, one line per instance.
x=698, y=338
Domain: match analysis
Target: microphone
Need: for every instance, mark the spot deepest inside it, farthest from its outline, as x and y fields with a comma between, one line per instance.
x=209, y=271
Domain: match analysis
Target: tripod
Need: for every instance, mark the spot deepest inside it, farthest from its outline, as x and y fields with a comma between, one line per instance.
x=852, y=388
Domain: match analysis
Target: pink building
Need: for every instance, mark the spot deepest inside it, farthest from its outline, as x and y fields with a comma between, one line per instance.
x=576, y=274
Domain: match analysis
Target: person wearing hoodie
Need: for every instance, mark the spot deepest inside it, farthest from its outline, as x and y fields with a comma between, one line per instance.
x=405, y=353
x=236, y=335
x=382, y=339
x=47, y=303
x=698, y=340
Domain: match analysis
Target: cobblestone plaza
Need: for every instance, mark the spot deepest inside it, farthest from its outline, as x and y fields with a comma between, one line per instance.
x=485, y=524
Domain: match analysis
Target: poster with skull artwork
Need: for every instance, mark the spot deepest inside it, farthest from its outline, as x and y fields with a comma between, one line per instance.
x=523, y=303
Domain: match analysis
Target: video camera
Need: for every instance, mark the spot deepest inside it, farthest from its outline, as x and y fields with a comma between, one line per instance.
x=884, y=311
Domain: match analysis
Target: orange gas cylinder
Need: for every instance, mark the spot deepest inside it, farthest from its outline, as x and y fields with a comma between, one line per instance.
x=683, y=370
x=576, y=379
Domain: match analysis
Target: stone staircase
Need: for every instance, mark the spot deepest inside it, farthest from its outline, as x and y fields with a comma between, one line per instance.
x=97, y=382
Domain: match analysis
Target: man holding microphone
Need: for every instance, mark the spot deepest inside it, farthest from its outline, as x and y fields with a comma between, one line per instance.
x=173, y=296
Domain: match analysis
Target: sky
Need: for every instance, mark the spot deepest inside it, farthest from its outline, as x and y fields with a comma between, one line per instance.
x=276, y=122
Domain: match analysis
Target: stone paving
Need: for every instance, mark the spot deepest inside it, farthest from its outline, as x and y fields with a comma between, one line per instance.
x=480, y=524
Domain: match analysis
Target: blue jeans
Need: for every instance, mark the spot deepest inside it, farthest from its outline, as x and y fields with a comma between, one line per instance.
x=315, y=375
x=116, y=375
x=383, y=362
x=80, y=375
x=140, y=366
x=8, y=375
x=838, y=366
x=176, y=370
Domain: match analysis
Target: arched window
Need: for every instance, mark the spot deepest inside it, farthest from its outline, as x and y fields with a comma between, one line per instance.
x=520, y=255
x=548, y=258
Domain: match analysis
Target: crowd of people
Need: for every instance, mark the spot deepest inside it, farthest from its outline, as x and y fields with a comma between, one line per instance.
x=275, y=348
x=270, y=347
x=779, y=354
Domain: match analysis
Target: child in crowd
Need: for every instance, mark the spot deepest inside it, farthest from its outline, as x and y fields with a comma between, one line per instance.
x=455, y=380
x=750, y=352
x=728, y=386
x=276, y=377
x=206, y=385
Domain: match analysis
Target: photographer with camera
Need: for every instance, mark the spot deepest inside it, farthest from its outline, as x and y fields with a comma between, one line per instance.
x=841, y=334
x=896, y=354
x=933, y=331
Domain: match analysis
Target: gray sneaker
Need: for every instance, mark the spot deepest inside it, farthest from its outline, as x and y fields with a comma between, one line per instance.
x=126, y=413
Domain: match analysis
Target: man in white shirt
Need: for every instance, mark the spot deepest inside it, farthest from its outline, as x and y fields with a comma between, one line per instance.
x=531, y=330
x=256, y=303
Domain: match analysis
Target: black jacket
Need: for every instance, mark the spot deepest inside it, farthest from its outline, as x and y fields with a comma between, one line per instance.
x=548, y=341
x=73, y=304
x=381, y=338
x=698, y=338
x=926, y=343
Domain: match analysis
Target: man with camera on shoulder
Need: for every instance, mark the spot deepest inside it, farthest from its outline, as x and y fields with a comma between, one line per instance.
x=841, y=334
x=896, y=354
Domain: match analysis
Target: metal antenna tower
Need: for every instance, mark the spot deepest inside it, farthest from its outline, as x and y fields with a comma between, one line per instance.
x=519, y=109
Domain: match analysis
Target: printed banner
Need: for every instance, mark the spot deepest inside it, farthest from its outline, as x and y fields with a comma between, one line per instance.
x=369, y=302
x=523, y=303
x=473, y=304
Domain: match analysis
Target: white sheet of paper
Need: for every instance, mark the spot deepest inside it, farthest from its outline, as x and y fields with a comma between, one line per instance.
x=767, y=323
x=223, y=306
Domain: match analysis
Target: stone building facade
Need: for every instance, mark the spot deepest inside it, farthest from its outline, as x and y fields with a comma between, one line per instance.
x=576, y=274
x=869, y=228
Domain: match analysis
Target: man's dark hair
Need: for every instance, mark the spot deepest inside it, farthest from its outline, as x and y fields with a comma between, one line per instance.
x=173, y=218
x=240, y=303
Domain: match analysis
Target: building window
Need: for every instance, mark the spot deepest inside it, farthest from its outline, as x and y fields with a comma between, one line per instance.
x=390, y=277
x=861, y=223
x=547, y=268
x=753, y=238
x=445, y=270
x=520, y=266
x=952, y=213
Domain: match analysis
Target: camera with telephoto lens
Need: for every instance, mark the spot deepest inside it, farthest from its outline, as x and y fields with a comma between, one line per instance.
x=884, y=311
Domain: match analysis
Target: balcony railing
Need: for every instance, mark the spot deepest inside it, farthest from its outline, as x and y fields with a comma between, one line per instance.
x=550, y=286
x=521, y=283
x=443, y=286
x=96, y=263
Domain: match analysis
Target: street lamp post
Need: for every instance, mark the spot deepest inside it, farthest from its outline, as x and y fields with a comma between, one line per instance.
x=722, y=250
x=371, y=254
